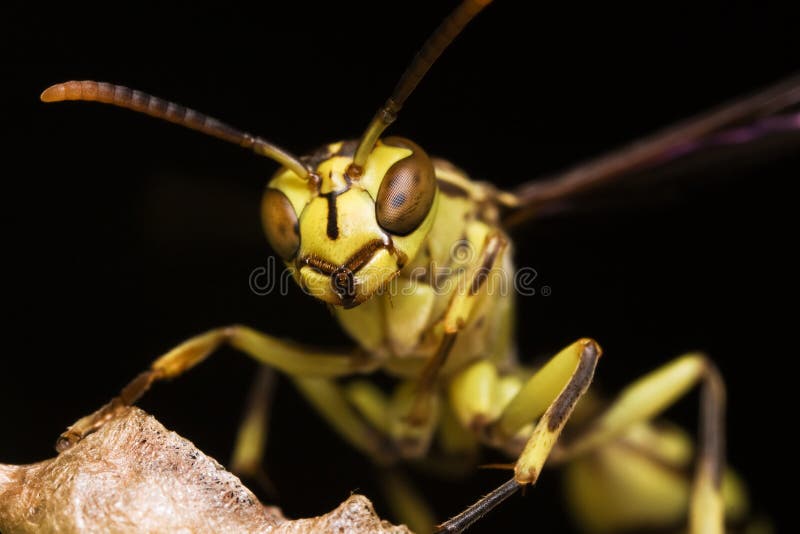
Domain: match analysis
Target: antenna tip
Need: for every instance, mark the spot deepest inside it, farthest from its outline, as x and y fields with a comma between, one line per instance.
x=54, y=93
x=86, y=90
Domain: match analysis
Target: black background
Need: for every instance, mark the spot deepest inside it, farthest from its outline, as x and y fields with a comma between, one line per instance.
x=123, y=235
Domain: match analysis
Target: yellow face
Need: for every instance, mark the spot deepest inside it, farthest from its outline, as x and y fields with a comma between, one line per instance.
x=346, y=237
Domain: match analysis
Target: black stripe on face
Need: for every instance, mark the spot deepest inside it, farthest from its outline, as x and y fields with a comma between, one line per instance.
x=333, y=224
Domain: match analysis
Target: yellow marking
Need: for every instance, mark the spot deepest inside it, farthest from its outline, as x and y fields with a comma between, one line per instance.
x=332, y=171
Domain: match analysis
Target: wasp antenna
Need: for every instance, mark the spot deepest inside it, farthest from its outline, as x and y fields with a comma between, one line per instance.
x=440, y=39
x=124, y=97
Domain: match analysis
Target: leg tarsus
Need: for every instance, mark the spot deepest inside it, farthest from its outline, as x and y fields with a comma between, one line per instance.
x=92, y=422
x=485, y=505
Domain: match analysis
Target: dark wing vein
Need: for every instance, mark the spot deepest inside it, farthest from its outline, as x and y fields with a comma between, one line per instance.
x=723, y=125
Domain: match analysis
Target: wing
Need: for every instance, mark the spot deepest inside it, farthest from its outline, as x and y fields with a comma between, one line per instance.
x=747, y=121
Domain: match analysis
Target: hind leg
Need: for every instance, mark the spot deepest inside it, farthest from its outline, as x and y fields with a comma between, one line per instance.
x=639, y=403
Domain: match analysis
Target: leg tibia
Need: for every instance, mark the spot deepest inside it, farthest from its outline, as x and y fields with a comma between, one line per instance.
x=582, y=358
x=251, y=439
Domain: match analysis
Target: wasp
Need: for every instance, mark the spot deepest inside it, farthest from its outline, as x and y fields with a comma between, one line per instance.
x=410, y=253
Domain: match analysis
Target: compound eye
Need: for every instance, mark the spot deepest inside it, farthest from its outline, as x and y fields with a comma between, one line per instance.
x=280, y=223
x=407, y=190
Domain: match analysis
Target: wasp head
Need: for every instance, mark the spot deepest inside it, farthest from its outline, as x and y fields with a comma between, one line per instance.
x=346, y=236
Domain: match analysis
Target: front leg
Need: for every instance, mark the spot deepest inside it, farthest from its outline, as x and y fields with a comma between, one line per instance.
x=477, y=395
x=291, y=358
x=549, y=395
x=456, y=317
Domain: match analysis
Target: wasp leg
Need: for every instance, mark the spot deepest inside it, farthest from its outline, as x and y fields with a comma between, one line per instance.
x=414, y=409
x=251, y=438
x=291, y=358
x=372, y=423
x=405, y=502
x=648, y=397
x=642, y=480
x=455, y=457
x=375, y=424
x=389, y=416
x=331, y=402
x=555, y=390
x=549, y=395
x=456, y=316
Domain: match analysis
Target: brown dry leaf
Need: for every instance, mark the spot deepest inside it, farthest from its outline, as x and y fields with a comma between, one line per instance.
x=133, y=475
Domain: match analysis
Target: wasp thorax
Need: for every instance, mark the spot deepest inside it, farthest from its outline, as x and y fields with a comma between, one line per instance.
x=346, y=237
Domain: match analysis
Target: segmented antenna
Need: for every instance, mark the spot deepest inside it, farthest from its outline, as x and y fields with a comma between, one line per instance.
x=441, y=38
x=124, y=97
